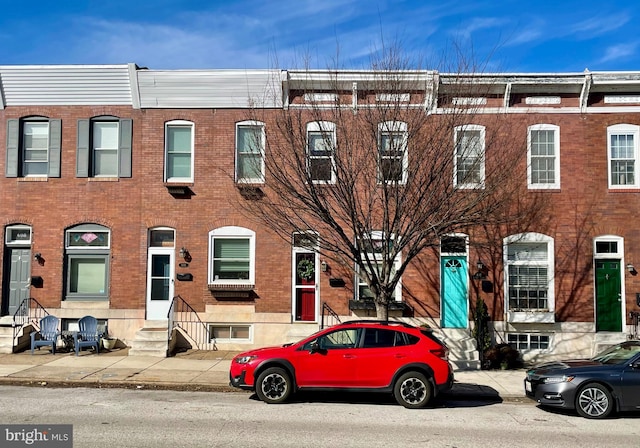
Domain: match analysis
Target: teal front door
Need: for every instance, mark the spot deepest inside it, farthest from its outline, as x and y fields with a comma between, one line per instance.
x=608, y=296
x=454, y=303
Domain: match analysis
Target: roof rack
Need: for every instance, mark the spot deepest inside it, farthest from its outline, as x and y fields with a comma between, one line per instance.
x=379, y=322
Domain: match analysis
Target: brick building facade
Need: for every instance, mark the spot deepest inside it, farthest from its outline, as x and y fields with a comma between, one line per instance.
x=119, y=193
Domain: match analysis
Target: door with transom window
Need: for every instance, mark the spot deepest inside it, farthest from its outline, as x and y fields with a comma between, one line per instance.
x=305, y=278
x=160, y=273
x=454, y=282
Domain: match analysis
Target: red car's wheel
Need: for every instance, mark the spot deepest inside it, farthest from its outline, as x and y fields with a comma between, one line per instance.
x=412, y=390
x=273, y=385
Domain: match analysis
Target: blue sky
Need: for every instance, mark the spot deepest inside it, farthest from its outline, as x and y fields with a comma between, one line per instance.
x=503, y=36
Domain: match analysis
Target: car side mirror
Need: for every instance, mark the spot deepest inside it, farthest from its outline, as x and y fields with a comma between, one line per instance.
x=315, y=348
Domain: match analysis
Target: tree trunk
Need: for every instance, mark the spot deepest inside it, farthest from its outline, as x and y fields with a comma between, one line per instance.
x=382, y=310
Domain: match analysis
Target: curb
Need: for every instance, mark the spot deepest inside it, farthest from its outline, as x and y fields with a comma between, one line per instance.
x=191, y=387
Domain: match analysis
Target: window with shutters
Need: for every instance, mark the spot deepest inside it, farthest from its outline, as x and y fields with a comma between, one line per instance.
x=232, y=256
x=104, y=147
x=33, y=147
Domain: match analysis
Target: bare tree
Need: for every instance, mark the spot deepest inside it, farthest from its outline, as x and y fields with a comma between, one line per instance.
x=368, y=163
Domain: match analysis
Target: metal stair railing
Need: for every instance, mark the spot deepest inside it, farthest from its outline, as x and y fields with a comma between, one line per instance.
x=29, y=311
x=332, y=316
x=182, y=315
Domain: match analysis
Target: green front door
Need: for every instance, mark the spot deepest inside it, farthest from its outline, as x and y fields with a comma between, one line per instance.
x=608, y=296
x=454, y=280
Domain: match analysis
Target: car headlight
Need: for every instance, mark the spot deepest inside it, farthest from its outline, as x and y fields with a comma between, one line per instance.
x=245, y=359
x=558, y=379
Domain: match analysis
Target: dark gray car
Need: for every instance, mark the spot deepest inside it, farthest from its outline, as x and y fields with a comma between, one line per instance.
x=594, y=387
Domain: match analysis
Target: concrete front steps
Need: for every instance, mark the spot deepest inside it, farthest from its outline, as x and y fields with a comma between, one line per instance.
x=151, y=339
x=463, y=353
x=6, y=336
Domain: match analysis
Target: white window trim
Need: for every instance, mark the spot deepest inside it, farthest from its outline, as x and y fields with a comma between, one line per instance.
x=390, y=127
x=233, y=232
x=461, y=129
x=260, y=124
x=178, y=123
x=94, y=151
x=322, y=126
x=624, y=129
x=377, y=234
x=231, y=340
x=556, y=165
x=23, y=148
x=529, y=335
x=531, y=316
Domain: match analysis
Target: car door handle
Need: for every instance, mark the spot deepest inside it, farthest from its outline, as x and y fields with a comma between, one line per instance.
x=400, y=355
x=348, y=356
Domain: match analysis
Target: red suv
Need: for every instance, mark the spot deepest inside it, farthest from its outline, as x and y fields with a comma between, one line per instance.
x=392, y=357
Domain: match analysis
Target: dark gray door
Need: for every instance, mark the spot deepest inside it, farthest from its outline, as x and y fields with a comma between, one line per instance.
x=19, y=277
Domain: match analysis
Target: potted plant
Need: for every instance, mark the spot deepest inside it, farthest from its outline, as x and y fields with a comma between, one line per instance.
x=109, y=342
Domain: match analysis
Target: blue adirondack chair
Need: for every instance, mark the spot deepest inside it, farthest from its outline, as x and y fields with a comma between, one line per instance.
x=48, y=334
x=87, y=335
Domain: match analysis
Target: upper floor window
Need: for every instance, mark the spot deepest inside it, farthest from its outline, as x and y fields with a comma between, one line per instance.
x=529, y=262
x=469, y=156
x=87, y=250
x=104, y=147
x=250, y=143
x=623, y=155
x=179, y=137
x=544, y=156
x=232, y=256
x=392, y=151
x=321, y=141
x=33, y=147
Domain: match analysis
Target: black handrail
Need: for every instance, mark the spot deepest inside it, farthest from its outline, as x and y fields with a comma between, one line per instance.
x=29, y=311
x=182, y=315
x=330, y=314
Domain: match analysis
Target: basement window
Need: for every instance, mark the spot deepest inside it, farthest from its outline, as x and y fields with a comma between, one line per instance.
x=230, y=333
x=528, y=341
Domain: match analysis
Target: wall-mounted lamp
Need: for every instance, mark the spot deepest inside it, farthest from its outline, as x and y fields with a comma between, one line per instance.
x=184, y=253
x=324, y=266
x=482, y=271
x=631, y=268
x=38, y=257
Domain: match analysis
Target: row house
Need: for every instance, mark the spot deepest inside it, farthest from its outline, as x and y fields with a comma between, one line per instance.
x=120, y=189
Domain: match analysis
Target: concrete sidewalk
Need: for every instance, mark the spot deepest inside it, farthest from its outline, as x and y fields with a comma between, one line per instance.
x=194, y=370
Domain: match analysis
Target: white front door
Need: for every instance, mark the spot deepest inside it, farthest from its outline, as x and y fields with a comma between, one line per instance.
x=160, y=282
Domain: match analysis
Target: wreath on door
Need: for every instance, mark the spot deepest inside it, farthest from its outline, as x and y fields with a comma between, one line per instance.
x=306, y=269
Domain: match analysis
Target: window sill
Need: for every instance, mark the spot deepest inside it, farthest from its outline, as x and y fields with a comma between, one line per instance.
x=370, y=305
x=179, y=188
x=531, y=317
x=103, y=179
x=231, y=287
x=251, y=191
x=33, y=179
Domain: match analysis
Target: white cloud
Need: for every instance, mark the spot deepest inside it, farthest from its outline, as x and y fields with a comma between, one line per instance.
x=620, y=51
